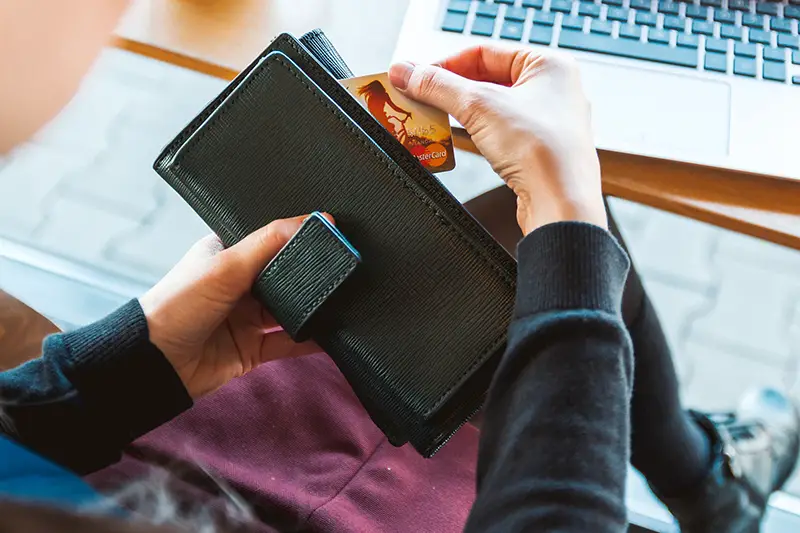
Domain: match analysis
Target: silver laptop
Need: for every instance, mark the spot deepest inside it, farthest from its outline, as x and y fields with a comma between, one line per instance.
x=711, y=82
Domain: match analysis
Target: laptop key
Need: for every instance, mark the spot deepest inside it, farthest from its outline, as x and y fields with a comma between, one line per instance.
x=688, y=40
x=509, y=2
x=541, y=35
x=696, y=12
x=657, y=36
x=726, y=31
x=668, y=8
x=774, y=54
x=572, y=22
x=744, y=66
x=725, y=16
x=767, y=8
x=629, y=31
x=617, y=13
x=617, y=3
x=628, y=48
x=712, y=3
x=739, y=5
x=561, y=6
x=487, y=10
x=483, y=26
x=702, y=27
x=674, y=23
x=512, y=30
x=645, y=18
x=589, y=10
x=759, y=36
x=544, y=18
x=792, y=12
x=780, y=25
x=745, y=50
x=516, y=13
x=458, y=6
x=455, y=22
x=774, y=71
x=536, y=4
x=641, y=4
x=753, y=21
x=716, y=45
x=796, y=57
x=788, y=41
x=601, y=26
x=716, y=62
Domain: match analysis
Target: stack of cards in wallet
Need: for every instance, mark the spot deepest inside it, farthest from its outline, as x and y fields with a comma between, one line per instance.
x=422, y=129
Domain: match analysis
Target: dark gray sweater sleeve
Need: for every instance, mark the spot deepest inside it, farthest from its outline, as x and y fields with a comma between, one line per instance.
x=555, y=438
x=92, y=392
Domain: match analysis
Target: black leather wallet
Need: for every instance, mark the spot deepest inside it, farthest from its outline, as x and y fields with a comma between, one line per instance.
x=408, y=294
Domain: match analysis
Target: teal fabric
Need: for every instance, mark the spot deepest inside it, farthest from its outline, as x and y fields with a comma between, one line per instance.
x=27, y=477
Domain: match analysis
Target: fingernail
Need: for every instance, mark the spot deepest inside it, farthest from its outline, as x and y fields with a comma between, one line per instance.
x=400, y=73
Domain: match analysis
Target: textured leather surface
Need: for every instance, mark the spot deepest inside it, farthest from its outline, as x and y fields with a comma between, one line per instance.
x=298, y=281
x=419, y=326
x=328, y=56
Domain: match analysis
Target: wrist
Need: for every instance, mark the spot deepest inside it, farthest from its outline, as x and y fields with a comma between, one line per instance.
x=533, y=215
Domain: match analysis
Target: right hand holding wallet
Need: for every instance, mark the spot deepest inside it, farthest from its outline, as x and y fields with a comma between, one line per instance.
x=408, y=294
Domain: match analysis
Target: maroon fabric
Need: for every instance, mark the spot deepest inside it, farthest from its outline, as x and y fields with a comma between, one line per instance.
x=293, y=439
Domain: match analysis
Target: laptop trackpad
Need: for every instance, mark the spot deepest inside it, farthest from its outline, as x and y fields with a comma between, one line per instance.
x=657, y=113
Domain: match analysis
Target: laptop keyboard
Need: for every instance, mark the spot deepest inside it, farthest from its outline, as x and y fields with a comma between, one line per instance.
x=735, y=37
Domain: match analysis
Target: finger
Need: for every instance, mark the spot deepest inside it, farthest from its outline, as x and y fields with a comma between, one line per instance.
x=436, y=87
x=208, y=246
x=244, y=261
x=492, y=63
x=489, y=63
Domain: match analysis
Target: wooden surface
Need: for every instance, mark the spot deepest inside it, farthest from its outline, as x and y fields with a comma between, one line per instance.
x=219, y=37
x=761, y=206
x=21, y=332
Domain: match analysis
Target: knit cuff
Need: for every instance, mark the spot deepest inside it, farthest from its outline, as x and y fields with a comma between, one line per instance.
x=124, y=380
x=570, y=265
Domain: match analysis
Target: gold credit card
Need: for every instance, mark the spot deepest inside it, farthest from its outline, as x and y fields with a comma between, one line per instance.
x=422, y=129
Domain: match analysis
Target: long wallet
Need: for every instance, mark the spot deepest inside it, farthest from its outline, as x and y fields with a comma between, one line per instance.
x=407, y=293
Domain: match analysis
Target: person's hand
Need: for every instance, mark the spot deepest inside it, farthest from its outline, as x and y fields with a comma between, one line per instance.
x=527, y=114
x=203, y=318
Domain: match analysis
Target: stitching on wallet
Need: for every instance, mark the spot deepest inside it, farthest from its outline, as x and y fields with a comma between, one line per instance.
x=402, y=179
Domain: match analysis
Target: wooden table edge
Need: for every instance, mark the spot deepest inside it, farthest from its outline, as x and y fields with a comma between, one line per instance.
x=174, y=58
x=706, y=194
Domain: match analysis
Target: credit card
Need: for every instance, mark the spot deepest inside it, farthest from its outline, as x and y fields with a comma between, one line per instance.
x=422, y=129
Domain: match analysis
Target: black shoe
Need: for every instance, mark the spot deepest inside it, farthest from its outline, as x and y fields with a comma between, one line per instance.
x=754, y=451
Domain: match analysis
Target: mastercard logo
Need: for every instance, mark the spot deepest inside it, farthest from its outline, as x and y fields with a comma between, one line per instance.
x=433, y=155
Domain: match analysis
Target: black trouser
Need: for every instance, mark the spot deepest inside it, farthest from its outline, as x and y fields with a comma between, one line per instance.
x=667, y=446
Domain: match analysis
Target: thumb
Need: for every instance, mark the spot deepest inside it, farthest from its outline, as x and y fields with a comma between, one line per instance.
x=434, y=86
x=244, y=261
